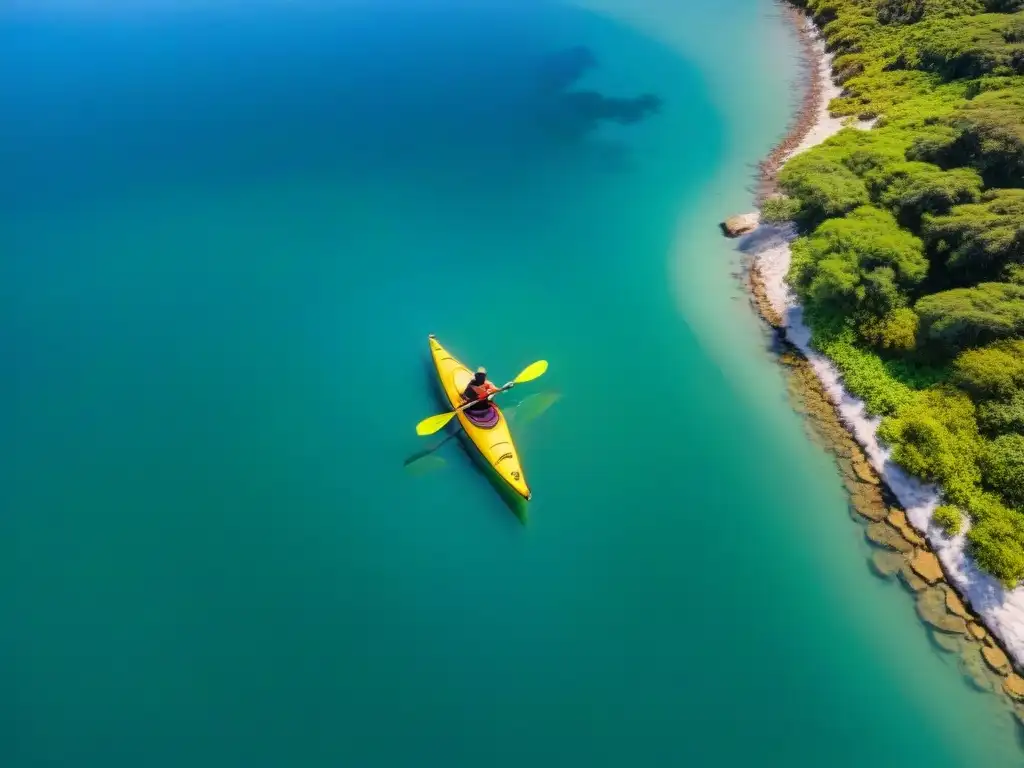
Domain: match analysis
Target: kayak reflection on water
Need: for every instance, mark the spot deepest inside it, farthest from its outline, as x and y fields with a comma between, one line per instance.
x=428, y=460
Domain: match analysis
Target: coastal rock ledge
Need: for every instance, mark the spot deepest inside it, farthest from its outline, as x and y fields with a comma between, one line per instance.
x=740, y=224
x=926, y=565
x=1014, y=687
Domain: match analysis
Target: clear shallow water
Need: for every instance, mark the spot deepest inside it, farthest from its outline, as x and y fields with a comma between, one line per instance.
x=224, y=234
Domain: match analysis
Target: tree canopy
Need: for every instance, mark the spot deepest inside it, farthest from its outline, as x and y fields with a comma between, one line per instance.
x=969, y=317
x=910, y=259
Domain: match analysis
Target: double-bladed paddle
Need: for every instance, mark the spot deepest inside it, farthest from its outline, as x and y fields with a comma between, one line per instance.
x=432, y=424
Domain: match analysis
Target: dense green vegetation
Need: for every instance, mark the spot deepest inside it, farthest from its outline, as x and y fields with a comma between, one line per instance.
x=949, y=519
x=910, y=260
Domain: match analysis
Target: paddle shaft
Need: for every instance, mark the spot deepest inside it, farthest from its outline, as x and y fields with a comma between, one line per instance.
x=498, y=391
x=430, y=425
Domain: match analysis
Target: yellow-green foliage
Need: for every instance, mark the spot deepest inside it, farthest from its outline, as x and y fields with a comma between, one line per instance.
x=861, y=261
x=999, y=417
x=895, y=332
x=1002, y=467
x=994, y=372
x=776, y=210
x=910, y=262
x=976, y=242
x=967, y=317
x=949, y=519
x=935, y=436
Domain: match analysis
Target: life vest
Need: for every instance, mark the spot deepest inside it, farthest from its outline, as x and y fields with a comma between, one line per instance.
x=481, y=391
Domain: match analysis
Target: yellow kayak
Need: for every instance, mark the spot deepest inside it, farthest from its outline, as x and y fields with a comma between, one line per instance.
x=490, y=435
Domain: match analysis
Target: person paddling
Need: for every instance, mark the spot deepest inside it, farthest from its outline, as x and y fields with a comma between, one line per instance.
x=479, y=389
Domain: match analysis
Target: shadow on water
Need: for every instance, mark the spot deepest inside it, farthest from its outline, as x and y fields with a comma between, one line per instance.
x=421, y=457
x=572, y=114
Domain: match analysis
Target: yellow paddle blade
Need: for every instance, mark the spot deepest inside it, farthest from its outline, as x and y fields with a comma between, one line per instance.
x=430, y=425
x=531, y=372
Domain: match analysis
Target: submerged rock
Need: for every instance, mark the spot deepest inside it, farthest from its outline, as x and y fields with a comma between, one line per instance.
x=563, y=68
x=573, y=114
x=866, y=501
x=947, y=643
x=974, y=669
x=996, y=659
x=886, y=563
x=898, y=519
x=911, y=580
x=594, y=107
x=955, y=605
x=978, y=632
x=926, y=565
x=931, y=607
x=740, y=224
x=884, y=535
x=873, y=512
x=1014, y=686
x=864, y=470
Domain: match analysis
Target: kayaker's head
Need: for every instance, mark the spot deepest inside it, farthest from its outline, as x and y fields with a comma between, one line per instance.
x=480, y=376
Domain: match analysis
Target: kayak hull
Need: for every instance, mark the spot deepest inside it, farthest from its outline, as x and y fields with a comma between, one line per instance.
x=493, y=444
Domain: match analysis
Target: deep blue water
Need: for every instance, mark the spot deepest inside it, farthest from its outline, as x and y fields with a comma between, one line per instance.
x=225, y=237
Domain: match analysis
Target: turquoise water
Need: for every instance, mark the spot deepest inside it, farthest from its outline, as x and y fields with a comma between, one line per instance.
x=226, y=236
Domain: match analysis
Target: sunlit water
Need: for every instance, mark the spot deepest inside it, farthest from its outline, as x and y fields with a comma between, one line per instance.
x=225, y=237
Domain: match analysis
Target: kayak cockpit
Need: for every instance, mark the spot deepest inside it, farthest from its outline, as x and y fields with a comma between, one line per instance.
x=485, y=418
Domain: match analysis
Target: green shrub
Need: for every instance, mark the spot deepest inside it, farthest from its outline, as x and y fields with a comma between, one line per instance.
x=997, y=417
x=1013, y=273
x=995, y=543
x=1003, y=6
x=978, y=242
x=970, y=317
x=895, y=332
x=949, y=519
x=912, y=189
x=900, y=11
x=823, y=188
x=863, y=262
x=969, y=46
x=996, y=371
x=935, y=436
x=1002, y=467
x=779, y=210
x=866, y=376
x=992, y=136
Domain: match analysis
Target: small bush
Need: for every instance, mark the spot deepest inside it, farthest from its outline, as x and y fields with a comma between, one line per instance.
x=779, y=210
x=996, y=371
x=969, y=317
x=936, y=437
x=999, y=417
x=949, y=519
x=1002, y=464
x=895, y=332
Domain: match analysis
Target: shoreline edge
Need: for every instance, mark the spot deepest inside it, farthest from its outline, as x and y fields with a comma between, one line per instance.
x=895, y=508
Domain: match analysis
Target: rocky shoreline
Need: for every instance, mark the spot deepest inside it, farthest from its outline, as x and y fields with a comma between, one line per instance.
x=900, y=552
x=807, y=113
